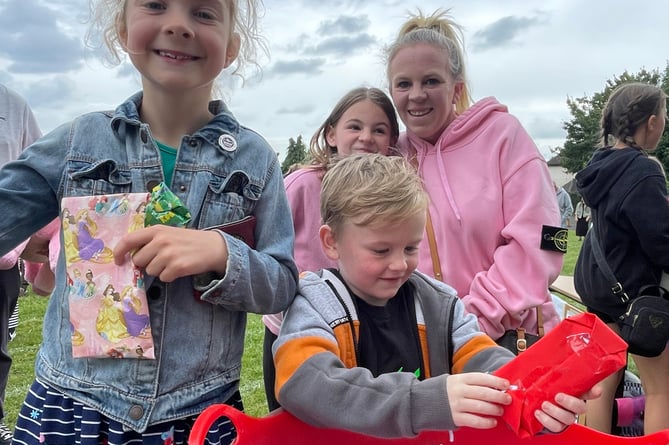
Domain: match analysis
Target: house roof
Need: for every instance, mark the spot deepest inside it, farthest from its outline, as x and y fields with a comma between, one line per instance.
x=570, y=187
x=555, y=161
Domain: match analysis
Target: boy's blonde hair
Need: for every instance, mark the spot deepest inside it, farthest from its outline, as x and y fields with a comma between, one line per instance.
x=371, y=190
x=108, y=18
x=441, y=31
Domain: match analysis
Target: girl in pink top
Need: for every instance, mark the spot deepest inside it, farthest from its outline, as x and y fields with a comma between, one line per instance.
x=490, y=188
x=363, y=121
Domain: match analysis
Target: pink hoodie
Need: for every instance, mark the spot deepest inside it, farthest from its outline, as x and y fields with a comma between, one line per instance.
x=39, y=275
x=303, y=188
x=491, y=193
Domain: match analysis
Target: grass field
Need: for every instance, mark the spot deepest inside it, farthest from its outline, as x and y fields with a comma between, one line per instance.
x=24, y=347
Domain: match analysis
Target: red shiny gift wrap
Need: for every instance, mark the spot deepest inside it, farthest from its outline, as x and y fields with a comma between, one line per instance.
x=571, y=358
x=281, y=428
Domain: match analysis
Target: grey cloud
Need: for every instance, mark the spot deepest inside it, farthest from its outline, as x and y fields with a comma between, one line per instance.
x=344, y=25
x=33, y=40
x=545, y=128
x=300, y=66
x=298, y=109
x=342, y=46
x=328, y=6
x=298, y=43
x=503, y=31
x=126, y=69
x=53, y=91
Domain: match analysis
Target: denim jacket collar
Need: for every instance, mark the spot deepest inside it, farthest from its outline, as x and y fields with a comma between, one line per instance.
x=223, y=122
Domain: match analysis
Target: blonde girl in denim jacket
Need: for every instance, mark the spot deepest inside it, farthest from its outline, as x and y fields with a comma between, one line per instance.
x=199, y=283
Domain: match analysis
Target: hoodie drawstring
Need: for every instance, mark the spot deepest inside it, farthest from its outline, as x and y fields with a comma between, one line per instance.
x=421, y=148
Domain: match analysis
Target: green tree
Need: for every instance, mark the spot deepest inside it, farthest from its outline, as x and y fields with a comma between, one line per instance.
x=583, y=130
x=296, y=153
x=662, y=151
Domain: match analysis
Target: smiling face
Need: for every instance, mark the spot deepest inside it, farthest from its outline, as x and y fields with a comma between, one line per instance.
x=423, y=89
x=179, y=44
x=375, y=261
x=363, y=128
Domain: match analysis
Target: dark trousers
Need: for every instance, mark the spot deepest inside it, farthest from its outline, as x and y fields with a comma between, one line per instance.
x=269, y=372
x=10, y=285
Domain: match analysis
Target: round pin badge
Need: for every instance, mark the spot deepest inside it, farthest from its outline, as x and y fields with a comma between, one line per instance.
x=227, y=142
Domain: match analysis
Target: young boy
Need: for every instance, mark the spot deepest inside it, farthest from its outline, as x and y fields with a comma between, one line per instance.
x=370, y=347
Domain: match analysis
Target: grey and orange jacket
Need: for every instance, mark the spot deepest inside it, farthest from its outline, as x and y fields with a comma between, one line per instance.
x=318, y=380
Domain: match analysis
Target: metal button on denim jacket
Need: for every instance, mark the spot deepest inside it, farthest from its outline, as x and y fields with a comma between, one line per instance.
x=223, y=172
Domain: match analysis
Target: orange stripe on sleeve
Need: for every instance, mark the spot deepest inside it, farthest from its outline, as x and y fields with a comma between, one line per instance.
x=469, y=349
x=292, y=354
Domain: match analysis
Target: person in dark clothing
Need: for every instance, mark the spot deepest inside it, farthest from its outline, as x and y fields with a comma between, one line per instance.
x=582, y=215
x=627, y=193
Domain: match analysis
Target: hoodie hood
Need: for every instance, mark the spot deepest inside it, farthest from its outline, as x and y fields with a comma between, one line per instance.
x=605, y=168
x=458, y=134
x=462, y=130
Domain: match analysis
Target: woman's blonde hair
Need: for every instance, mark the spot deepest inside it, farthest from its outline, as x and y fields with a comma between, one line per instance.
x=107, y=19
x=440, y=30
x=371, y=190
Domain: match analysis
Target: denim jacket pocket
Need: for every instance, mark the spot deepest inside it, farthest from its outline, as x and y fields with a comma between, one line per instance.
x=99, y=178
x=229, y=199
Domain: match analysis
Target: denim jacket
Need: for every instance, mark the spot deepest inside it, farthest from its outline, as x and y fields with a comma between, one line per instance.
x=223, y=172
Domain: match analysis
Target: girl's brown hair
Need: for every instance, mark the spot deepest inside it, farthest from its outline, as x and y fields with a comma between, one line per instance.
x=320, y=151
x=629, y=106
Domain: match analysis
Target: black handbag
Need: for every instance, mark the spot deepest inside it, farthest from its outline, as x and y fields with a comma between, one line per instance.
x=645, y=323
x=517, y=340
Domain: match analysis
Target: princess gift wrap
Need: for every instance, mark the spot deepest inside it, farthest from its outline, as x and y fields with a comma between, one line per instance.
x=109, y=314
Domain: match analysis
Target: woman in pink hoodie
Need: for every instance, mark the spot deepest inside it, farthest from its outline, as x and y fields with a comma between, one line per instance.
x=490, y=188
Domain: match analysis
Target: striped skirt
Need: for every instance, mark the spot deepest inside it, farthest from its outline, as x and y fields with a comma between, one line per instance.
x=50, y=417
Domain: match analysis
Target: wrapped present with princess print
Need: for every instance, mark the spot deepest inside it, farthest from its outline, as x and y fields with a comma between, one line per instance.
x=109, y=314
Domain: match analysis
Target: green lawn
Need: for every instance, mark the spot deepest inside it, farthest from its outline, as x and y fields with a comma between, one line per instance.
x=24, y=347
x=573, y=247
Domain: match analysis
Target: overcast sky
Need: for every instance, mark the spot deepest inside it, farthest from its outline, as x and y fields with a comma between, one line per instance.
x=531, y=55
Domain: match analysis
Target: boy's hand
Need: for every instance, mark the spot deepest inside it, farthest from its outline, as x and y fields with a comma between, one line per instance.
x=476, y=399
x=172, y=252
x=555, y=417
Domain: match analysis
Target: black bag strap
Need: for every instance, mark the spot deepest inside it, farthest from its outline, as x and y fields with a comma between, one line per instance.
x=616, y=286
x=451, y=344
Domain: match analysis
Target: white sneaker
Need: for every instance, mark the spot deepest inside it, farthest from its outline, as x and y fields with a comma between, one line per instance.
x=5, y=434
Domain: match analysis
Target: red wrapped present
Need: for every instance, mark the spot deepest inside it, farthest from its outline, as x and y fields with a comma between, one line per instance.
x=571, y=358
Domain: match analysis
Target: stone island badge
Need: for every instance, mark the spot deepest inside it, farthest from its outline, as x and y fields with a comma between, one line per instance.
x=554, y=238
x=227, y=142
